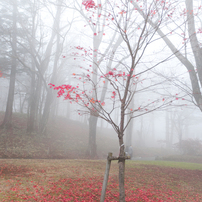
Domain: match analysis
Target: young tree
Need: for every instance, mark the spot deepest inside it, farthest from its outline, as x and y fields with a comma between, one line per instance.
x=130, y=71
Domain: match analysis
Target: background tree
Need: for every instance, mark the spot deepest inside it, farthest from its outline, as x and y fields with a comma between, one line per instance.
x=11, y=34
x=45, y=55
x=9, y=108
x=33, y=55
x=188, y=27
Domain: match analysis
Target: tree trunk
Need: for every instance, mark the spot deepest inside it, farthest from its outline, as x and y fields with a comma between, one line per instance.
x=152, y=128
x=171, y=129
x=7, y=122
x=167, y=130
x=92, y=147
x=32, y=122
x=141, y=138
x=129, y=132
x=49, y=96
x=121, y=171
x=67, y=111
x=32, y=106
x=46, y=112
x=195, y=43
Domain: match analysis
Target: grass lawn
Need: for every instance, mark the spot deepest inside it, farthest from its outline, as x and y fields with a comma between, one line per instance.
x=81, y=180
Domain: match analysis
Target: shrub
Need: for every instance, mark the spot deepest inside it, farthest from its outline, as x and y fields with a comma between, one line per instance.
x=190, y=146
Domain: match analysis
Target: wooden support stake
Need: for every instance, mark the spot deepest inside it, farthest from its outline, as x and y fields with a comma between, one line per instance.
x=109, y=159
x=104, y=186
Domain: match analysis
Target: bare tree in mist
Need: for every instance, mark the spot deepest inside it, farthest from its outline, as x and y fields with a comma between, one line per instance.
x=7, y=122
x=40, y=64
x=188, y=26
x=33, y=49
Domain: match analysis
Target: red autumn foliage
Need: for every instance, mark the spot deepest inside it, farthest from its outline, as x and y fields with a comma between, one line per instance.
x=88, y=4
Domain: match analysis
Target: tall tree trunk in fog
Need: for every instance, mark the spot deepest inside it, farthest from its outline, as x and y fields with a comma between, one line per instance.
x=197, y=52
x=171, y=128
x=140, y=133
x=92, y=151
x=32, y=122
x=129, y=130
x=46, y=112
x=167, y=129
x=186, y=130
x=31, y=119
x=38, y=84
x=7, y=122
x=49, y=96
x=170, y=119
x=152, y=129
x=34, y=93
x=129, y=133
x=92, y=147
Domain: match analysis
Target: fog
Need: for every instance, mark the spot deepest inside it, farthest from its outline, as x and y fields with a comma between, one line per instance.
x=141, y=66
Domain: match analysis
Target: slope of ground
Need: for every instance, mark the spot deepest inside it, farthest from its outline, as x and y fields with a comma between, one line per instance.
x=69, y=139
x=65, y=139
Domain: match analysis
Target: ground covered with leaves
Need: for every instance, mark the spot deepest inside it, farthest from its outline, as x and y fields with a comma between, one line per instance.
x=81, y=180
x=65, y=139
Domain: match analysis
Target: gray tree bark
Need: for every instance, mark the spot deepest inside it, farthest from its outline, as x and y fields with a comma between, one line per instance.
x=35, y=83
x=92, y=150
x=49, y=96
x=32, y=106
x=122, y=160
x=167, y=129
x=7, y=122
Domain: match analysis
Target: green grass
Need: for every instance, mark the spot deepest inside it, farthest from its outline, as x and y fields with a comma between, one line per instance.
x=173, y=164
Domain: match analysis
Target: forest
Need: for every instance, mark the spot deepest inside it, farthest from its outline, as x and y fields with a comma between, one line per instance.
x=81, y=78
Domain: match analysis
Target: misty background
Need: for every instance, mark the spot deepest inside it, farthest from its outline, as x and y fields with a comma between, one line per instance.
x=39, y=45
